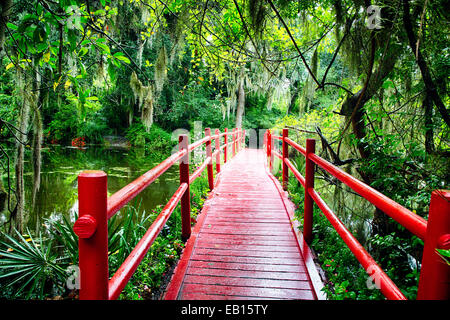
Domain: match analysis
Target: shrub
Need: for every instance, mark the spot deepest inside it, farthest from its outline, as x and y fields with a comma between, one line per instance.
x=156, y=140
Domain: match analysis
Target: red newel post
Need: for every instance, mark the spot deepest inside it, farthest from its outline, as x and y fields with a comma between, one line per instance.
x=209, y=166
x=92, y=230
x=434, y=281
x=285, y=156
x=225, y=150
x=186, y=198
x=309, y=184
x=217, y=133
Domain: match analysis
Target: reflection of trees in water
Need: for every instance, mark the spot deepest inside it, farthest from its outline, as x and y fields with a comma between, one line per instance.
x=56, y=193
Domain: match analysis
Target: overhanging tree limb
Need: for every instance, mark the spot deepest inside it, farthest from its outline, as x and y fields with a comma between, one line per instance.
x=313, y=76
x=424, y=70
x=251, y=39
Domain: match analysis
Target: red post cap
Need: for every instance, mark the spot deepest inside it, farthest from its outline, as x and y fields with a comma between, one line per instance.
x=444, y=242
x=85, y=226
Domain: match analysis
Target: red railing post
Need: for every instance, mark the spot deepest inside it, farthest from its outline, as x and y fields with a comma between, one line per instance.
x=209, y=166
x=285, y=156
x=186, y=198
x=265, y=142
x=243, y=140
x=309, y=184
x=434, y=281
x=234, y=142
x=217, y=148
x=92, y=230
x=225, y=149
x=272, y=156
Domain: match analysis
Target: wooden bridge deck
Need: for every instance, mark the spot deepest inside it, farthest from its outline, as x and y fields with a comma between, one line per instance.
x=244, y=245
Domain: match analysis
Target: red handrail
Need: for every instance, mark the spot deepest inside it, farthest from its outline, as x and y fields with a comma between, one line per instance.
x=434, y=276
x=405, y=217
x=119, y=199
x=95, y=208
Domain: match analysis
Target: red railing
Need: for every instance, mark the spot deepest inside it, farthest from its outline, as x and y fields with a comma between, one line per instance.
x=95, y=208
x=435, y=273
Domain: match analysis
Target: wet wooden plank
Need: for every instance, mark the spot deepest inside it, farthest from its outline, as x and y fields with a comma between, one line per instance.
x=247, y=282
x=248, y=266
x=251, y=292
x=245, y=274
x=244, y=247
x=253, y=260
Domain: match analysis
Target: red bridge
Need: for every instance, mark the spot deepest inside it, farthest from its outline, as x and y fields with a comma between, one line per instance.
x=246, y=243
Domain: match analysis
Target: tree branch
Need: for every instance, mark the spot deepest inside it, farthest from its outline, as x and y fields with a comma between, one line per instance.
x=294, y=42
x=424, y=70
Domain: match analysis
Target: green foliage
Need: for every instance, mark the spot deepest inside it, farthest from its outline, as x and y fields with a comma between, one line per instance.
x=67, y=125
x=62, y=232
x=409, y=174
x=156, y=140
x=445, y=255
x=125, y=229
x=257, y=115
x=346, y=279
x=31, y=266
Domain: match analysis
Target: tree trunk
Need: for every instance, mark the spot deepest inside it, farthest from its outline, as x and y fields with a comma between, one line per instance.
x=5, y=7
x=19, y=166
x=293, y=97
x=353, y=107
x=240, y=104
x=428, y=112
x=423, y=66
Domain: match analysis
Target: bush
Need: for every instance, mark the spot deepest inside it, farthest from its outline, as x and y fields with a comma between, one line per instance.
x=31, y=267
x=156, y=140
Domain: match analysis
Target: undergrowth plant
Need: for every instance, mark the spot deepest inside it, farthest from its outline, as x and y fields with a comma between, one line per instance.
x=30, y=267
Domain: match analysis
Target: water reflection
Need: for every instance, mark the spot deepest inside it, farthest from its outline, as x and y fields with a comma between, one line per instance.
x=57, y=193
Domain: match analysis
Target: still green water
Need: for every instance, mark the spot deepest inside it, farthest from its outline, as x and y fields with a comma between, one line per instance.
x=60, y=167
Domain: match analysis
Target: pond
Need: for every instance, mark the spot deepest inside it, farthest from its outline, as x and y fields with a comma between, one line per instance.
x=57, y=194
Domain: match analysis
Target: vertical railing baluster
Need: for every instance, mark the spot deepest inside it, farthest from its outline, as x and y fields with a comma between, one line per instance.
x=186, y=198
x=217, y=146
x=234, y=142
x=209, y=166
x=285, y=156
x=225, y=150
x=309, y=184
x=267, y=143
